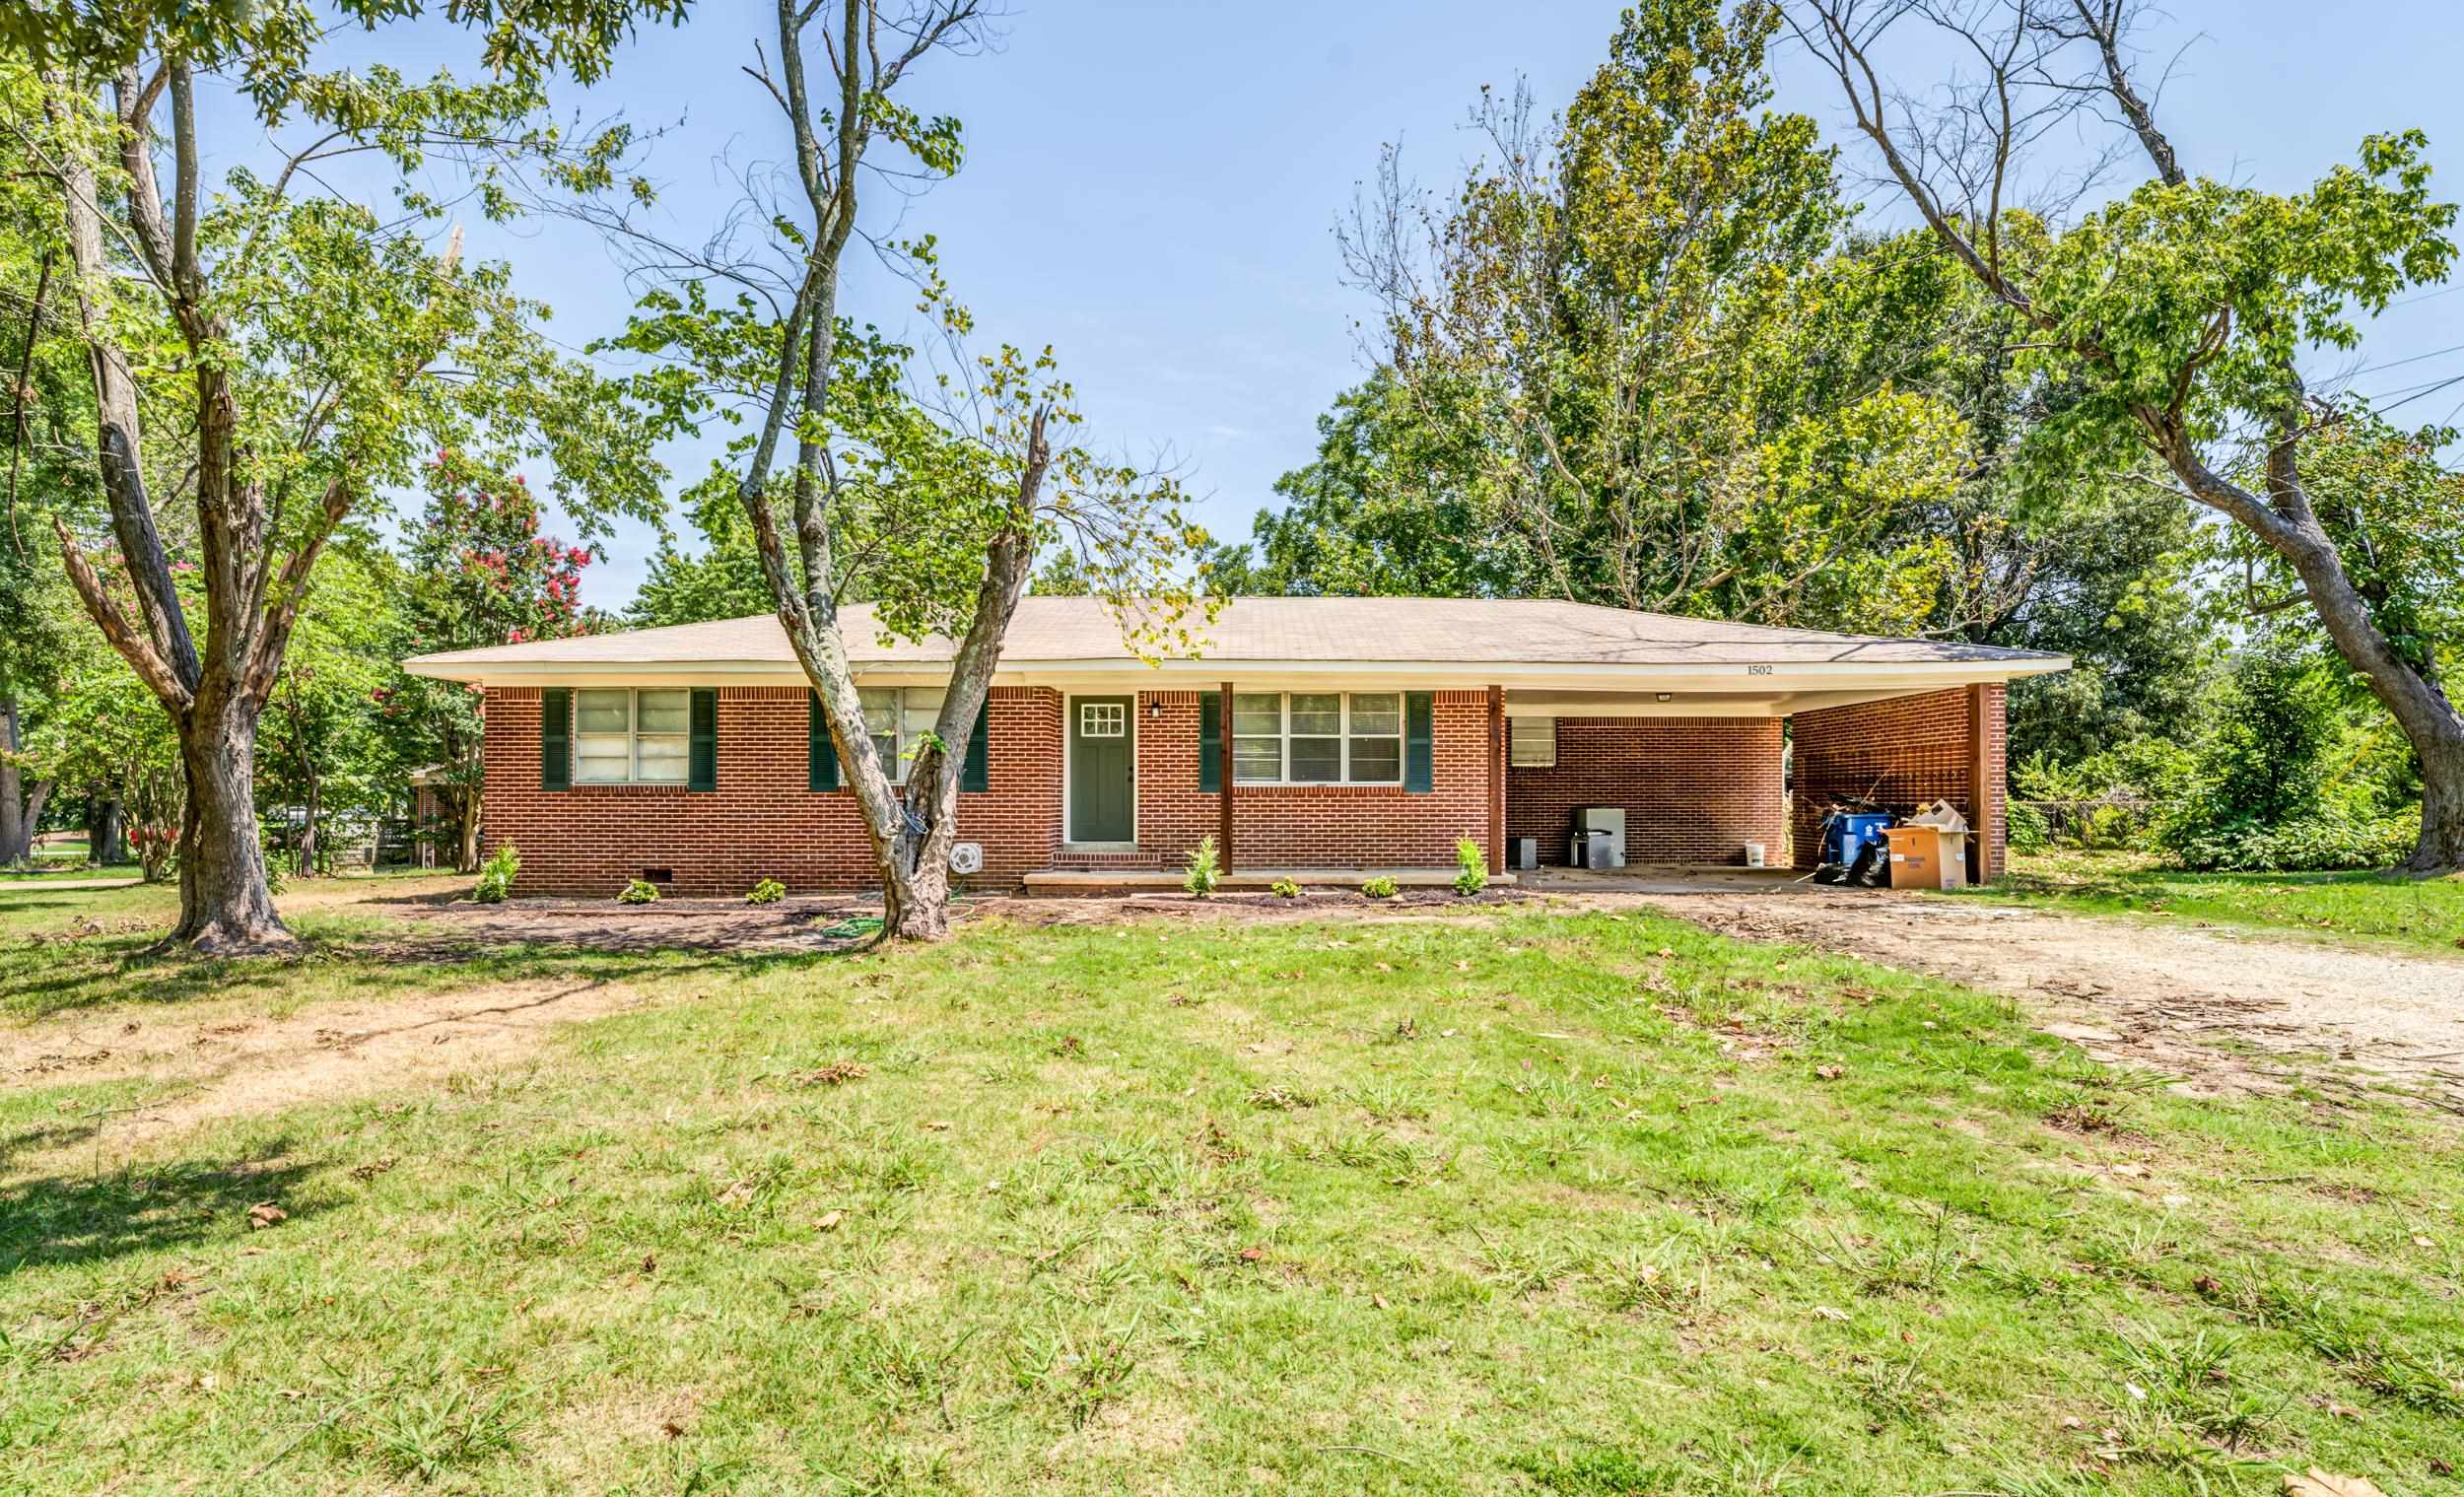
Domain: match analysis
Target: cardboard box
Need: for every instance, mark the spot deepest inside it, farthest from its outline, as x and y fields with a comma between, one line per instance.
x=1927, y=858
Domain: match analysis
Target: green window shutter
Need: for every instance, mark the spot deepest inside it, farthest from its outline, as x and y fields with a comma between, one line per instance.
x=977, y=773
x=702, y=745
x=556, y=738
x=821, y=756
x=1210, y=742
x=1418, y=776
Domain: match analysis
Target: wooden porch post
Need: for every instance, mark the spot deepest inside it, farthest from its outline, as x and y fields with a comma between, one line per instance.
x=1496, y=779
x=1980, y=784
x=1223, y=746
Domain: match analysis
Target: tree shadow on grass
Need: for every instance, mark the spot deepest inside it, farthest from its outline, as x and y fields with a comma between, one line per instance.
x=46, y=982
x=89, y=1218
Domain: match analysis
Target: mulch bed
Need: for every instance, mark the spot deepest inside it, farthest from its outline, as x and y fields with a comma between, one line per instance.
x=838, y=922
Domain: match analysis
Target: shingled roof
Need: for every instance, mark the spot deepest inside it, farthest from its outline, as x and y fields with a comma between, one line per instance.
x=1082, y=631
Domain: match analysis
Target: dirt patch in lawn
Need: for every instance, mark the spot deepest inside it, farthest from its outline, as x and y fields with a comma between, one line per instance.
x=201, y=1070
x=2227, y=1010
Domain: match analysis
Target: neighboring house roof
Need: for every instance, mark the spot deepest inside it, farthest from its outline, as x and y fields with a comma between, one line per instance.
x=1505, y=641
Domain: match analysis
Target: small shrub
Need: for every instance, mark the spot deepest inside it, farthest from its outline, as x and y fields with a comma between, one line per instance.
x=1380, y=887
x=2028, y=829
x=1206, y=869
x=1284, y=888
x=2308, y=845
x=768, y=892
x=639, y=892
x=1471, y=868
x=496, y=875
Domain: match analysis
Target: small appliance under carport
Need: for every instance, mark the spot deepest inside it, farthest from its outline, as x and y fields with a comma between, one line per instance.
x=1599, y=840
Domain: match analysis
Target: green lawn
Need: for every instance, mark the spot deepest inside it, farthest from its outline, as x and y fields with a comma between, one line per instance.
x=2415, y=913
x=1521, y=1204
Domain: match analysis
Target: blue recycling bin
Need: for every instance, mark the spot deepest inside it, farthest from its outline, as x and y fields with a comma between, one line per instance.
x=1849, y=832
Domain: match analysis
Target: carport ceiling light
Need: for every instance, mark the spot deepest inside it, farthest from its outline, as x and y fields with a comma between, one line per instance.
x=1666, y=696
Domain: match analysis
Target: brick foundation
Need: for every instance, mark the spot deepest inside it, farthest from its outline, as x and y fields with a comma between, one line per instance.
x=1902, y=752
x=1695, y=789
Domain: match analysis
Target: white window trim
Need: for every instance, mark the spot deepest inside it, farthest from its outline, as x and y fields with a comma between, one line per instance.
x=1343, y=736
x=632, y=736
x=1515, y=744
x=903, y=747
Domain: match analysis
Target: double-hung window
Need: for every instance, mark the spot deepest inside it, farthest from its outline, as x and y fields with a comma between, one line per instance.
x=897, y=718
x=1531, y=743
x=1318, y=737
x=631, y=737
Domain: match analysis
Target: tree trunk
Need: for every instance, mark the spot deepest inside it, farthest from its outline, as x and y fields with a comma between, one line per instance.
x=466, y=856
x=2428, y=720
x=915, y=885
x=226, y=907
x=35, y=800
x=304, y=853
x=16, y=827
x=107, y=833
x=2441, y=847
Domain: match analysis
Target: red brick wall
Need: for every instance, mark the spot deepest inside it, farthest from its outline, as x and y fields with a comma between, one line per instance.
x=1695, y=789
x=1902, y=752
x=1323, y=826
x=761, y=822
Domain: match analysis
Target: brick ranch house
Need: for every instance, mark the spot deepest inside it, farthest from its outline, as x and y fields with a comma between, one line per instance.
x=1310, y=735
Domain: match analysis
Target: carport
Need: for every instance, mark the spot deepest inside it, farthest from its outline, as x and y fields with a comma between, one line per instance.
x=1702, y=776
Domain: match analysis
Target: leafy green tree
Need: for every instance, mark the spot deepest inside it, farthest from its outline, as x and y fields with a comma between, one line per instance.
x=1603, y=330
x=723, y=581
x=45, y=385
x=1384, y=510
x=938, y=507
x=2180, y=309
x=288, y=349
x=476, y=571
x=318, y=735
x=104, y=734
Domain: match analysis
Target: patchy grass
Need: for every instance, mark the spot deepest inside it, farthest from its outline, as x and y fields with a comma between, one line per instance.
x=1501, y=1203
x=2419, y=914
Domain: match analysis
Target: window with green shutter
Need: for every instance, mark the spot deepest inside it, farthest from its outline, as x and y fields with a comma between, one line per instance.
x=821, y=756
x=1420, y=770
x=556, y=738
x=701, y=752
x=1210, y=743
x=976, y=773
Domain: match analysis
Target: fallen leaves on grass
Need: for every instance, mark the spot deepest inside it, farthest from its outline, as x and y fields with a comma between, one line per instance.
x=836, y=1073
x=1276, y=1099
x=265, y=1215
x=2319, y=1483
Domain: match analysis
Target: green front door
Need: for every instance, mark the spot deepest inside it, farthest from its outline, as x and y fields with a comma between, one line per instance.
x=1102, y=775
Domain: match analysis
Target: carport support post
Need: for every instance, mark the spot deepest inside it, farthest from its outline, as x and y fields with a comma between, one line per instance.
x=1223, y=746
x=1496, y=779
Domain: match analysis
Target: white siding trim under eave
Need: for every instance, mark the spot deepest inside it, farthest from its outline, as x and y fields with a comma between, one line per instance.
x=1742, y=678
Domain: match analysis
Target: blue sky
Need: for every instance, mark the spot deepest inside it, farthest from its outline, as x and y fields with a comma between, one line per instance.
x=1151, y=187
